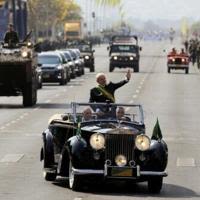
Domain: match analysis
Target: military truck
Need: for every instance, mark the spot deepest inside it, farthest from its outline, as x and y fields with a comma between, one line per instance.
x=87, y=53
x=18, y=75
x=124, y=51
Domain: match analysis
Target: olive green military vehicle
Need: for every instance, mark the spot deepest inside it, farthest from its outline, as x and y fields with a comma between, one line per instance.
x=124, y=52
x=18, y=75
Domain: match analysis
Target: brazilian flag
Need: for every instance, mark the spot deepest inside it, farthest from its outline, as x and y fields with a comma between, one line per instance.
x=157, y=134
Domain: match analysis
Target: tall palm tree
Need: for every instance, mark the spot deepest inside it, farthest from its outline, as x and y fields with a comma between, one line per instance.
x=107, y=3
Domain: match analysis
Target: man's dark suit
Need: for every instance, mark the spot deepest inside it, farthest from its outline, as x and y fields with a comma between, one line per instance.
x=97, y=96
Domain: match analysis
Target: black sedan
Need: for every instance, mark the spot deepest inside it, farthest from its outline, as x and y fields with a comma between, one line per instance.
x=103, y=146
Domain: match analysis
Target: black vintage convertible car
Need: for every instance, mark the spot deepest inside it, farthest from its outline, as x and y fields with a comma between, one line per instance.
x=103, y=147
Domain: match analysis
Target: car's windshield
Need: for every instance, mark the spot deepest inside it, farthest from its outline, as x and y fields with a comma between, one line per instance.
x=121, y=112
x=84, y=48
x=68, y=57
x=48, y=59
x=124, y=48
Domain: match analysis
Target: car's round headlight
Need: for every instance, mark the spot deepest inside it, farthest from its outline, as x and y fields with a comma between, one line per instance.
x=24, y=54
x=87, y=57
x=97, y=141
x=120, y=160
x=142, y=142
x=115, y=57
x=131, y=58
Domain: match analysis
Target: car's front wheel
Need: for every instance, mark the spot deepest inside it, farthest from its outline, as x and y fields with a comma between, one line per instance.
x=74, y=180
x=155, y=184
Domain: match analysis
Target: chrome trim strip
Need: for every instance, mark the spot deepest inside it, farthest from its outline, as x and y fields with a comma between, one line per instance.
x=177, y=65
x=153, y=173
x=87, y=171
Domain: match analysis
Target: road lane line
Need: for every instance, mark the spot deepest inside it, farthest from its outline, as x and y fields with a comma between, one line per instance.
x=185, y=162
x=11, y=158
x=48, y=101
x=137, y=91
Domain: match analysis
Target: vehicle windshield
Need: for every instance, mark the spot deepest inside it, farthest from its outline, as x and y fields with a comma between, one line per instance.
x=68, y=57
x=103, y=111
x=124, y=48
x=84, y=48
x=48, y=59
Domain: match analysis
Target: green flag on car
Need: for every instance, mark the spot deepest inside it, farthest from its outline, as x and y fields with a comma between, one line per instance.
x=157, y=134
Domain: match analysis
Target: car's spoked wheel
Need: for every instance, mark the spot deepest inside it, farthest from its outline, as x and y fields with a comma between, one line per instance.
x=74, y=180
x=155, y=184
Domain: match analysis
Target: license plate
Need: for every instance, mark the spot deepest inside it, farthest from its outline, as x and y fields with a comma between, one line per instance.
x=122, y=172
x=46, y=75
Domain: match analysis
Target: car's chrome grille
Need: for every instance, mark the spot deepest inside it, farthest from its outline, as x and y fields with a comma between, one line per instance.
x=178, y=61
x=119, y=144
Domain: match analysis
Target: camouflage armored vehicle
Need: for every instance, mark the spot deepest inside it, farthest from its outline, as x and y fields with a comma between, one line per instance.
x=18, y=75
x=124, y=51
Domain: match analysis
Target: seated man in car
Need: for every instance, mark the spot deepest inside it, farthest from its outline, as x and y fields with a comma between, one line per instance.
x=87, y=114
x=120, y=114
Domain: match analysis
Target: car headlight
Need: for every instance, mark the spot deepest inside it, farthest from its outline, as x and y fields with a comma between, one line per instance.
x=24, y=54
x=29, y=44
x=142, y=142
x=173, y=59
x=183, y=60
x=97, y=141
x=120, y=160
x=115, y=57
x=131, y=58
x=59, y=67
x=87, y=57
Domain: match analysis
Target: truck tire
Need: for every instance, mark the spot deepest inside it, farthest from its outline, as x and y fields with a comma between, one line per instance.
x=186, y=70
x=92, y=68
x=168, y=70
x=136, y=68
x=111, y=68
x=29, y=95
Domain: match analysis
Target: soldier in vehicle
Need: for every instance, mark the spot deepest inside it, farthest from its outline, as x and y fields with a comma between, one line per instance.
x=183, y=53
x=173, y=52
x=11, y=36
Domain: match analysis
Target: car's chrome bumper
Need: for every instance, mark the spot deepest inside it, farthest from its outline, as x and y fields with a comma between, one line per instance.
x=104, y=172
x=177, y=66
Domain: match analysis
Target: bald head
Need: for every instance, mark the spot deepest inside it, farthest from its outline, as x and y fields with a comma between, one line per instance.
x=101, y=79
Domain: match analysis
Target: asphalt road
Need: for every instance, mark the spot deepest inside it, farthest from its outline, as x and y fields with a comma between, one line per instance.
x=172, y=98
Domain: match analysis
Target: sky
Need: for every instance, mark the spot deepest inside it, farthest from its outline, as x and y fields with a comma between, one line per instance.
x=162, y=9
x=158, y=9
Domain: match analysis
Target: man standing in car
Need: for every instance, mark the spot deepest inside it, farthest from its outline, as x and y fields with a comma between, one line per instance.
x=104, y=92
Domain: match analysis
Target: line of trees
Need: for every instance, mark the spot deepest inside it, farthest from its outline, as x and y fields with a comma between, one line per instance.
x=46, y=18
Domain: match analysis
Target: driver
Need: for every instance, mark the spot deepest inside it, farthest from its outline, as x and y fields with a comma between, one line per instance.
x=11, y=36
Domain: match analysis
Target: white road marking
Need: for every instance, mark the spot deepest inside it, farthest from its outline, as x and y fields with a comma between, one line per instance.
x=13, y=122
x=8, y=124
x=11, y=158
x=48, y=101
x=25, y=114
x=71, y=86
x=185, y=162
x=131, y=101
x=1, y=128
x=137, y=91
x=139, y=87
x=78, y=198
x=21, y=117
x=134, y=96
x=57, y=95
x=36, y=108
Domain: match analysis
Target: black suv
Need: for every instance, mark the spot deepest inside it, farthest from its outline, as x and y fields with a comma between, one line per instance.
x=124, y=51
